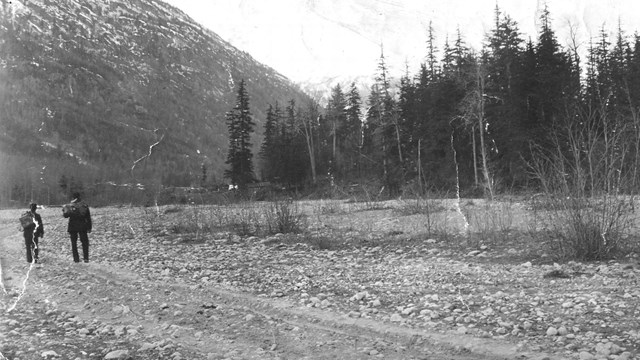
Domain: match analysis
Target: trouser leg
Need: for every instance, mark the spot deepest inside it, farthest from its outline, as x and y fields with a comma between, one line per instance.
x=84, y=239
x=28, y=244
x=74, y=246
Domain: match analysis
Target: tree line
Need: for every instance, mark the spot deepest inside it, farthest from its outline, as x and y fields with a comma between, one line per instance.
x=471, y=119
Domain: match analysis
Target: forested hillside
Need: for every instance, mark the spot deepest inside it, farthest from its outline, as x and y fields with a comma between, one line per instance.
x=87, y=87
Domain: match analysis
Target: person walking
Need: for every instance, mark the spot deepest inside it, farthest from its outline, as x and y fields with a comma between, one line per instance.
x=32, y=233
x=79, y=226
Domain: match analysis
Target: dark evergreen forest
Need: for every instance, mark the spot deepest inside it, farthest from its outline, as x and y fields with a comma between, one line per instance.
x=506, y=118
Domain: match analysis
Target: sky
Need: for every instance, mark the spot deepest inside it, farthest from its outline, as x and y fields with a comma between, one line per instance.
x=314, y=40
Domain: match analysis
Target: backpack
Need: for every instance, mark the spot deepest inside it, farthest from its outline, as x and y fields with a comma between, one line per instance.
x=26, y=220
x=77, y=209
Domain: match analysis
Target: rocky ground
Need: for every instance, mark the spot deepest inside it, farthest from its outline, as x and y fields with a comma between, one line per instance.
x=361, y=282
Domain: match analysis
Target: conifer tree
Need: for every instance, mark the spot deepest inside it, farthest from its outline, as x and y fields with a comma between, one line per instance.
x=502, y=62
x=383, y=118
x=239, y=157
x=269, y=151
x=293, y=147
x=432, y=50
x=353, y=129
x=553, y=75
x=336, y=119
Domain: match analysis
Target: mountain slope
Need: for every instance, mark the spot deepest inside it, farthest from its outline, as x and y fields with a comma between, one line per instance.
x=97, y=83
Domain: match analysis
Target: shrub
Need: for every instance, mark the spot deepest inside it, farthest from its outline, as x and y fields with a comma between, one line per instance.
x=583, y=211
x=284, y=217
x=491, y=222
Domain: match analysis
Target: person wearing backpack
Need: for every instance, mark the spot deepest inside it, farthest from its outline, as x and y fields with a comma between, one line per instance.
x=33, y=231
x=79, y=226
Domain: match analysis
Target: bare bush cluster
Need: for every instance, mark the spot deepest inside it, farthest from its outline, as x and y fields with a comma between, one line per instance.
x=588, y=183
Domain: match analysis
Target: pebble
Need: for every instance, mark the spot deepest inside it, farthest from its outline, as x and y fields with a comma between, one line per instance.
x=49, y=354
x=586, y=356
x=562, y=331
x=146, y=347
x=409, y=310
x=117, y=354
x=551, y=331
x=359, y=296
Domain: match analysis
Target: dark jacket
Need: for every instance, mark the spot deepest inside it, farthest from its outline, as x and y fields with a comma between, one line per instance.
x=79, y=223
x=39, y=231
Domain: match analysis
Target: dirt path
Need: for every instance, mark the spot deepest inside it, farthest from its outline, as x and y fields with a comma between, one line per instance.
x=98, y=310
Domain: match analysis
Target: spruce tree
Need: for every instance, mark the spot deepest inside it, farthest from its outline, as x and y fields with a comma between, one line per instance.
x=336, y=119
x=269, y=149
x=502, y=62
x=553, y=75
x=239, y=157
x=353, y=129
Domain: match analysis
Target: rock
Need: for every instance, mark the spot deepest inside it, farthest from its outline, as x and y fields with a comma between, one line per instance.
x=603, y=349
x=49, y=354
x=562, y=331
x=249, y=317
x=615, y=349
x=376, y=303
x=462, y=330
x=488, y=312
x=146, y=347
x=624, y=356
x=409, y=310
x=551, y=331
x=360, y=295
x=396, y=318
x=117, y=354
x=586, y=356
x=119, y=330
x=474, y=253
x=314, y=300
x=527, y=325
